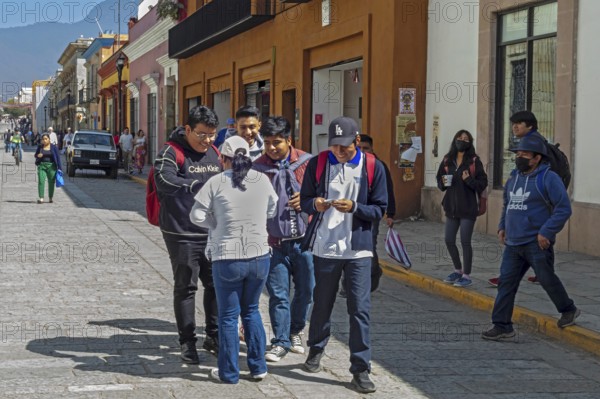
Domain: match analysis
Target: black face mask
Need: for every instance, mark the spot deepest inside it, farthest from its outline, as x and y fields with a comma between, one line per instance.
x=522, y=164
x=462, y=146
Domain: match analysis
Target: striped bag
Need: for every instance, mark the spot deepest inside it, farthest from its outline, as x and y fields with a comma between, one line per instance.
x=396, y=250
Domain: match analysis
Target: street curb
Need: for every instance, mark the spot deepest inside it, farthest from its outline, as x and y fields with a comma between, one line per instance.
x=526, y=319
x=136, y=179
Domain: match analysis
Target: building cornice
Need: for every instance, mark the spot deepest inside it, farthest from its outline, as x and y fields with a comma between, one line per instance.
x=134, y=88
x=156, y=35
x=151, y=80
x=165, y=62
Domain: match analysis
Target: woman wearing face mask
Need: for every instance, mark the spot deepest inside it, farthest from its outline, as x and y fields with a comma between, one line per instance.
x=462, y=183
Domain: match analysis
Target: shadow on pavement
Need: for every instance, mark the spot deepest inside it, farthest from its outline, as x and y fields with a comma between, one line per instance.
x=139, y=347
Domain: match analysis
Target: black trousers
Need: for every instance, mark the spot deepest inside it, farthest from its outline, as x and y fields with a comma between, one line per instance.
x=190, y=263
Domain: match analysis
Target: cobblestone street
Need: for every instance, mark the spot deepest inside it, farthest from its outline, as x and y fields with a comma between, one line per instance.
x=86, y=293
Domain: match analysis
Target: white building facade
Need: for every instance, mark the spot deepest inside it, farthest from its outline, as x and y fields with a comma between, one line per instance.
x=489, y=59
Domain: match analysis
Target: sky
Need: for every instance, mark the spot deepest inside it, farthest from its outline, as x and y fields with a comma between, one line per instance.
x=26, y=12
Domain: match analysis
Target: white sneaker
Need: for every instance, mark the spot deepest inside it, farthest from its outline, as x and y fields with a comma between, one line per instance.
x=259, y=377
x=214, y=375
x=296, y=340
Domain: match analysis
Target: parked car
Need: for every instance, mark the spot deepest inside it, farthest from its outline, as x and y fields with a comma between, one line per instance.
x=92, y=149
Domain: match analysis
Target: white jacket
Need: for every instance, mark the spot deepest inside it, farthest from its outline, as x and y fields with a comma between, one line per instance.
x=236, y=219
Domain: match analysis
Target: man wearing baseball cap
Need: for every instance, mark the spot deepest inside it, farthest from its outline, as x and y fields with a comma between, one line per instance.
x=536, y=208
x=344, y=209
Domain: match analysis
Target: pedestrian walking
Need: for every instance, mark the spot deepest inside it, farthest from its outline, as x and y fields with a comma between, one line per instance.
x=47, y=160
x=176, y=186
x=53, y=136
x=126, y=143
x=525, y=124
x=285, y=166
x=343, y=206
x=461, y=176
x=366, y=146
x=139, y=149
x=235, y=207
x=536, y=208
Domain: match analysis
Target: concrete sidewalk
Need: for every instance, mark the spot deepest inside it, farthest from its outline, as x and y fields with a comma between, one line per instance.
x=533, y=311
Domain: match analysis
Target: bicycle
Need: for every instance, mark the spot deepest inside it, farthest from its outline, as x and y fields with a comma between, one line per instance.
x=17, y=154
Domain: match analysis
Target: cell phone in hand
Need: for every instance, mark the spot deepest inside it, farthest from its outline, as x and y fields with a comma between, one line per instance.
x=328, y=201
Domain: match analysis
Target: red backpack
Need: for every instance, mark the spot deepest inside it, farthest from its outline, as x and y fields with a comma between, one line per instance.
x=152, y=202
x=322, y=161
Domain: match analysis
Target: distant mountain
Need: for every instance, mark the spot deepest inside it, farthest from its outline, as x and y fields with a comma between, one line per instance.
x=31, y=52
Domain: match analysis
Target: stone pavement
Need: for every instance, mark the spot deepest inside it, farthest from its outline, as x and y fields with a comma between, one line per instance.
x=86, y=293
x=424, y=241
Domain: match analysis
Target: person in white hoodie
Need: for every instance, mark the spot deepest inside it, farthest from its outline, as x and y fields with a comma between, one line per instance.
x=234, y=205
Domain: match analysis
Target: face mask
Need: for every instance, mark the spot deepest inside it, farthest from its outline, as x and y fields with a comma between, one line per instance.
x=462, y=146
x=522, y=164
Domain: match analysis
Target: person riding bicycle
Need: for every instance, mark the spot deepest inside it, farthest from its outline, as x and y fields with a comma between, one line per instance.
x=16, y=141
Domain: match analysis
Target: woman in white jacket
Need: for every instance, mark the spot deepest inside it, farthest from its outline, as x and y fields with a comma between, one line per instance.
x=234, y=205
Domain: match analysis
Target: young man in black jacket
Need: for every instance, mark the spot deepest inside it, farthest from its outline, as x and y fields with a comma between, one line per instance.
x=176, y=187
x=343, y=209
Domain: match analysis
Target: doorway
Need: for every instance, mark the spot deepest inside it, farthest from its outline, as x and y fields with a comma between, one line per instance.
x=337, y=91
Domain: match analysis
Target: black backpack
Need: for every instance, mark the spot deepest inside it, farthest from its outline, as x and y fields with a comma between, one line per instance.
x=559, y=163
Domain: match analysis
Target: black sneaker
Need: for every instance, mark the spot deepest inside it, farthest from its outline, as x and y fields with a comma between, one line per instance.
x=313, y=361
x=496, y=334
x=362, y=382
x=568, y=318
x=276, y=353
x=211, y=344
x=189, y=354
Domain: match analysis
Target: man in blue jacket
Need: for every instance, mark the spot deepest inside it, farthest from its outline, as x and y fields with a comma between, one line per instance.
x=536, y=208
x=343, y=210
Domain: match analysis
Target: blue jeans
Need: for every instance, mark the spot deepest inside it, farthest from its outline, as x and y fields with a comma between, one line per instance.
x=515, y=263
x=239, y=283
x=358, y=302
x=289, y=262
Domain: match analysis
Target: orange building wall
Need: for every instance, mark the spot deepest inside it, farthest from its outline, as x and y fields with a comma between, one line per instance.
x=392, y=44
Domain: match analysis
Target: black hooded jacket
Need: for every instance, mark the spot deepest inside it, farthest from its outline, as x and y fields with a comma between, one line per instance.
x=460, y=200
x=176, y=186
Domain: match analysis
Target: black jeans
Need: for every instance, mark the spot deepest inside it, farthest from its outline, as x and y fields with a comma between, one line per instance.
x=190, y=263
x=466, y=232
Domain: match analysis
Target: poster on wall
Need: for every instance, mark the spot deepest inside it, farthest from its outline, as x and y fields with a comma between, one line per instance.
x=406, y=127
x=407, y=102
x=436, y=134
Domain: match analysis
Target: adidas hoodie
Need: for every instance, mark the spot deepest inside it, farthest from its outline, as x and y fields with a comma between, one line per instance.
x=527, y=212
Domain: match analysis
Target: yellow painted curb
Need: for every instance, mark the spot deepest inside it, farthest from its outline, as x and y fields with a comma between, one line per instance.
x=136, y=179
x=528, y=320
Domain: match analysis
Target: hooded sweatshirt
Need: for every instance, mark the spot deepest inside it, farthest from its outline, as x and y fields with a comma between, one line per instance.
x=176, y=187
x=527, y=212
